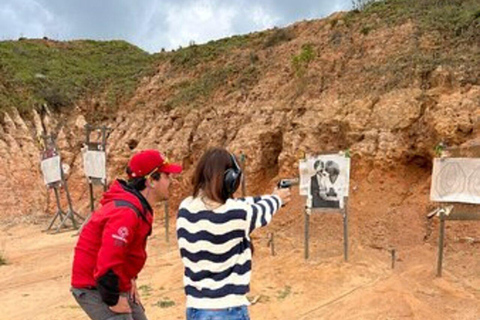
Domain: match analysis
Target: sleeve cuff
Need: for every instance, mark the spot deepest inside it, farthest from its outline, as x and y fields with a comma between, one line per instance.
x=279, y=201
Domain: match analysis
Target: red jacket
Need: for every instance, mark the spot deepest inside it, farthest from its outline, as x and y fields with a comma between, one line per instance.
x=111, y=246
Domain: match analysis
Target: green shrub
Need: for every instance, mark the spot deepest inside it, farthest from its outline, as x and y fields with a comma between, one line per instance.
x=277, y=36
x=165, y=303
x=285, y=292
x=365, y=30
x=333, y=23
x=301, y=61
x=144, y=289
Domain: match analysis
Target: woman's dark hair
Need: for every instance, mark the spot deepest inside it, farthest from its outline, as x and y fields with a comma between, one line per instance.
x=332, y=167
x=139, y=183
x=209, y=174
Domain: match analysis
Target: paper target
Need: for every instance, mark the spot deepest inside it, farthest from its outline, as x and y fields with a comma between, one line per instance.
x=456, y=180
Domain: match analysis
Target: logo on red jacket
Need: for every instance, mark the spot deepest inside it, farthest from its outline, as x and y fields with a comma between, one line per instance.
x=121, y=236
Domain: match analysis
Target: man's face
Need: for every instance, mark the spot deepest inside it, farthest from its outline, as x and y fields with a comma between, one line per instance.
x=162, y=187
x=320, y=168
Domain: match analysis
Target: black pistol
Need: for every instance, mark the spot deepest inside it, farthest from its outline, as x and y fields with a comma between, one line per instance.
x=287, y=183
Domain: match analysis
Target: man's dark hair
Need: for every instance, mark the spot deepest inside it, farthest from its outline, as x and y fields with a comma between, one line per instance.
x=210, y=172
x=317, y=164
x=139, y=183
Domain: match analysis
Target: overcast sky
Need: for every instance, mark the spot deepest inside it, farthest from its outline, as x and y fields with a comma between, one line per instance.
x=154, y=24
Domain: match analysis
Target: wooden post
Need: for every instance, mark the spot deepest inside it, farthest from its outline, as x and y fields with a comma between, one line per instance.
x=441, y=237
x=242, y=161
x=271, y=242
x=92, y=200
x=70, y=213
x=104, y=145
x=166, y=221
x=345, y=229
x=307, y=223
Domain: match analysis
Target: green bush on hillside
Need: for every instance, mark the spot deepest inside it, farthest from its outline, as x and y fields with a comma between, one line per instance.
x=300, y=62
x=35, y=72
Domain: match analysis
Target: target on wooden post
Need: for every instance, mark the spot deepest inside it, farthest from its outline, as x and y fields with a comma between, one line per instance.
x=324, y=181
x=456, y=187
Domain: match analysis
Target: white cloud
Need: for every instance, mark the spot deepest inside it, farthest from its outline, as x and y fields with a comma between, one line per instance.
x=23, y=18
x=262, y=19
x=200, y=22
x=153, y=24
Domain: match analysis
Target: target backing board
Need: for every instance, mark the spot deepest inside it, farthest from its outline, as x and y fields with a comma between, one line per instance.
x=94, y=164
x=51, y=169
x=324, y=179
x=456, y=180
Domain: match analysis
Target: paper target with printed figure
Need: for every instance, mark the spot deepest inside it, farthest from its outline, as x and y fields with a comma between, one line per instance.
x=94, y=164
x=325, y=180
x=51, y=170
x=456, y=180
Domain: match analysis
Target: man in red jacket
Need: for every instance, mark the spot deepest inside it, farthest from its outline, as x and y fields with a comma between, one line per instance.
x=110, y=251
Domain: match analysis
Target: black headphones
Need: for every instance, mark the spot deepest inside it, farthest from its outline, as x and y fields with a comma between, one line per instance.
x=231, y=179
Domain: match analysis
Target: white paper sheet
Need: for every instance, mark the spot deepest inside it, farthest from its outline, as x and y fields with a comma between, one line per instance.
x=326, y=184
x=456, y=180
x=94, y=164
x=51, y=170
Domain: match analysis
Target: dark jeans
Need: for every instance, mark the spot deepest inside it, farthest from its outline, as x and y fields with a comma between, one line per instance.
x=96, y=309
x=235, y=313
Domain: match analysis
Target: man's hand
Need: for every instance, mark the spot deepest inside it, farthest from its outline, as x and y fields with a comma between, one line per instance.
x=134, y=295
x=122, y=305
x=284, y=194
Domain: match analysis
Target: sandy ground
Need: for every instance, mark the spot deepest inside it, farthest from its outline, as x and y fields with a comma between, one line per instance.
x=35, y=282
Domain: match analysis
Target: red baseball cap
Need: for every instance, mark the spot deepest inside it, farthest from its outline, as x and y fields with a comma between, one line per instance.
x=146, y=162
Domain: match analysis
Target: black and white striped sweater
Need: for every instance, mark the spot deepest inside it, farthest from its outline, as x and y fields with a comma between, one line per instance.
x=215, y=248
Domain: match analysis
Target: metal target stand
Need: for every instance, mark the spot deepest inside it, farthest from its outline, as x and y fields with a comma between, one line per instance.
x=167, y=221
x=97, y=145
x=50, y=150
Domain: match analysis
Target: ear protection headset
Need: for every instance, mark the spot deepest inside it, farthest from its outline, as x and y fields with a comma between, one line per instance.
x=231, y=179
